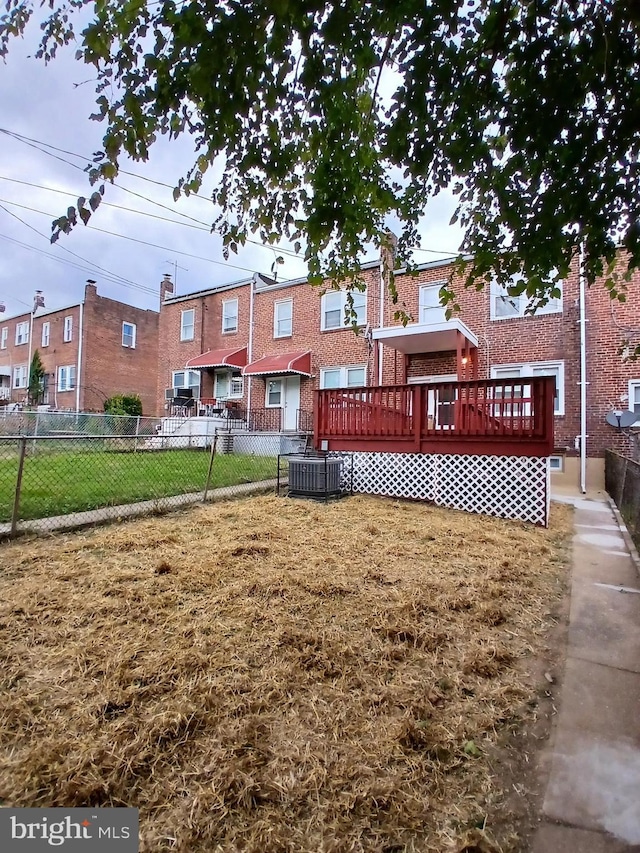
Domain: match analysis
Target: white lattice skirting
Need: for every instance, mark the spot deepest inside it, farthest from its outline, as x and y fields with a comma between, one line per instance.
x=505, y=486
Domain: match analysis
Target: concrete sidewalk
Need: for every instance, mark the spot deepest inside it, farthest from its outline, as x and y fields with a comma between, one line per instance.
x=592, y=800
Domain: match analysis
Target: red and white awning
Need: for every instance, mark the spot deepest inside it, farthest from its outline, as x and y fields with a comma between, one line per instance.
x=288, y=362
x=218, y=358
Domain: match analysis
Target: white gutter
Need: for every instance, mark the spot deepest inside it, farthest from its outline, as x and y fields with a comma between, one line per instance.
x=583, y=377
x=381, y=322
x=252, y=286
x=79, y=370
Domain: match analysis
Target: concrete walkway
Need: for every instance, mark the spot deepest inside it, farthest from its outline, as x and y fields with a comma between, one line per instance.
x=592, y=800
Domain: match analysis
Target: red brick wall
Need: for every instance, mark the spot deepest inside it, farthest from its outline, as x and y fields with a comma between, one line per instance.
x=109, y=368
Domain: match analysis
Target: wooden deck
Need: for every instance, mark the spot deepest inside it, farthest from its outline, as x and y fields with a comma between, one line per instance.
x=495, y=417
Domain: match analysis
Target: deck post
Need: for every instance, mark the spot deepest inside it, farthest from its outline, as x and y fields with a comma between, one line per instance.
x=417, y=410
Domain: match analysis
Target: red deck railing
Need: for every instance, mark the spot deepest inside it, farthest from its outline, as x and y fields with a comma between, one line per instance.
x=494, y=416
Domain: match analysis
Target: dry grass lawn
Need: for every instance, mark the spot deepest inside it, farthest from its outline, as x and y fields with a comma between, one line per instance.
x=276, y=675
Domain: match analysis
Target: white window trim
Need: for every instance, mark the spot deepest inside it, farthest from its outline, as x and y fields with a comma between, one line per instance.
x=24, y=328
x=269, y=379
x=231, y=394
x=343, y=368
x=67, y=335
x=183, y=325
x=559, y=460
x=187, y=373
x=276, y=319
x=422, y=307
x=522, y=302
x=226, y=315
x=4, y=337
x=527, y=369
x=69, y=384
x=21, y=372
x=633, y=384
x=45, y=338
x=343, y=304
x=132, y=345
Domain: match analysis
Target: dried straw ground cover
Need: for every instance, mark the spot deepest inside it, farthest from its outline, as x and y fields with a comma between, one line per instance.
x=275, y=675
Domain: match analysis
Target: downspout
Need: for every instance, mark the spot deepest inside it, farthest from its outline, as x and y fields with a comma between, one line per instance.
x=583, y=377
x=79, y=371
x=252, y=286
x=380, y=352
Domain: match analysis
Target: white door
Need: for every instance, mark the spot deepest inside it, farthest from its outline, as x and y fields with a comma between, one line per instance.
x=284, y=392
x=291, y=403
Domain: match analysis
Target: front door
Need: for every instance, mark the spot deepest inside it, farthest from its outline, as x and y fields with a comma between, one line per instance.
x=284, y=392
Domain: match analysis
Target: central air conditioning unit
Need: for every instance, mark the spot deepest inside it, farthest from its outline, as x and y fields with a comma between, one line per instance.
x=315, y=477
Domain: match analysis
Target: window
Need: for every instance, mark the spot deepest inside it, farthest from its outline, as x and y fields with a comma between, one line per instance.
x=274, y=393
x=22, y=333
x=430, y=309
x=539, y=368
x=333, y=305
x=67, y=378
x=504, y=305
x=187, y=323
x=353, y=376
x=46, y=334
x=556, y=463
x=230, y=315
x=129, y=335
x=228, y=385
x=68, y=329
x=283, y=319
x=634, y=399
x=187, y=379
x=4, y=337
x=20, y=376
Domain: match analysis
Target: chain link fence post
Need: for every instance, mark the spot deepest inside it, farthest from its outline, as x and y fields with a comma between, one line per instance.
x=207, y=485
x=16, y=501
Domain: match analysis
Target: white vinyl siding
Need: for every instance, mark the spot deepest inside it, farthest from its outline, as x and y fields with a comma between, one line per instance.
x=67, y=378
x=46, y=334
x=68, y=329
x=350, y=376
x=230, y=315
x=20, y=375
x=22, y=333
x=537, y=368
x=187, y=324
x=283, y=319
x=333, y=305
x=129, y=335
x=504, y=305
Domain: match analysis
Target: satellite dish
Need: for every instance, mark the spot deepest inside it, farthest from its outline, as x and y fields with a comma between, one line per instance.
x=620, y=419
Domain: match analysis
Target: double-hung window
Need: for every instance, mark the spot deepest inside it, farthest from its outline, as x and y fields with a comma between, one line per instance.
x=68, y=329
x=333, y=309
x=634, y=399
x=505, y=304
x=46, y=334
x=187, y=379
x=351, y=376
x=4, y=336
x=430, y=309
x=228, y=385
x=129, y=335
x=230, y=315
x=22, y=333
x=522, y=391
x=283, y=319
x=187, y=324
x=67, y=378
x=20, y=376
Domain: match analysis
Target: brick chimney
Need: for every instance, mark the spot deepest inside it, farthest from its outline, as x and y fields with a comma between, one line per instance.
x=166, y=287
x=90, y=289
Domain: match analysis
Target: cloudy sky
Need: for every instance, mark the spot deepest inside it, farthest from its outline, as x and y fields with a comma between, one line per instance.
x=140, y=233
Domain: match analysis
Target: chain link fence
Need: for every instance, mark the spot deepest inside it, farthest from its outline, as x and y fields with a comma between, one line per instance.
x=622, y=482
x=57, y=481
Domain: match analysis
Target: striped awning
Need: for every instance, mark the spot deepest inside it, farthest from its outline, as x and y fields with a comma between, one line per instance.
x=218, y=358
x=288, y=362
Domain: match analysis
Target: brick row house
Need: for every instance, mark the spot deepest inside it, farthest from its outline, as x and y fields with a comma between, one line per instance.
x=90, y=351
x=261, y=349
